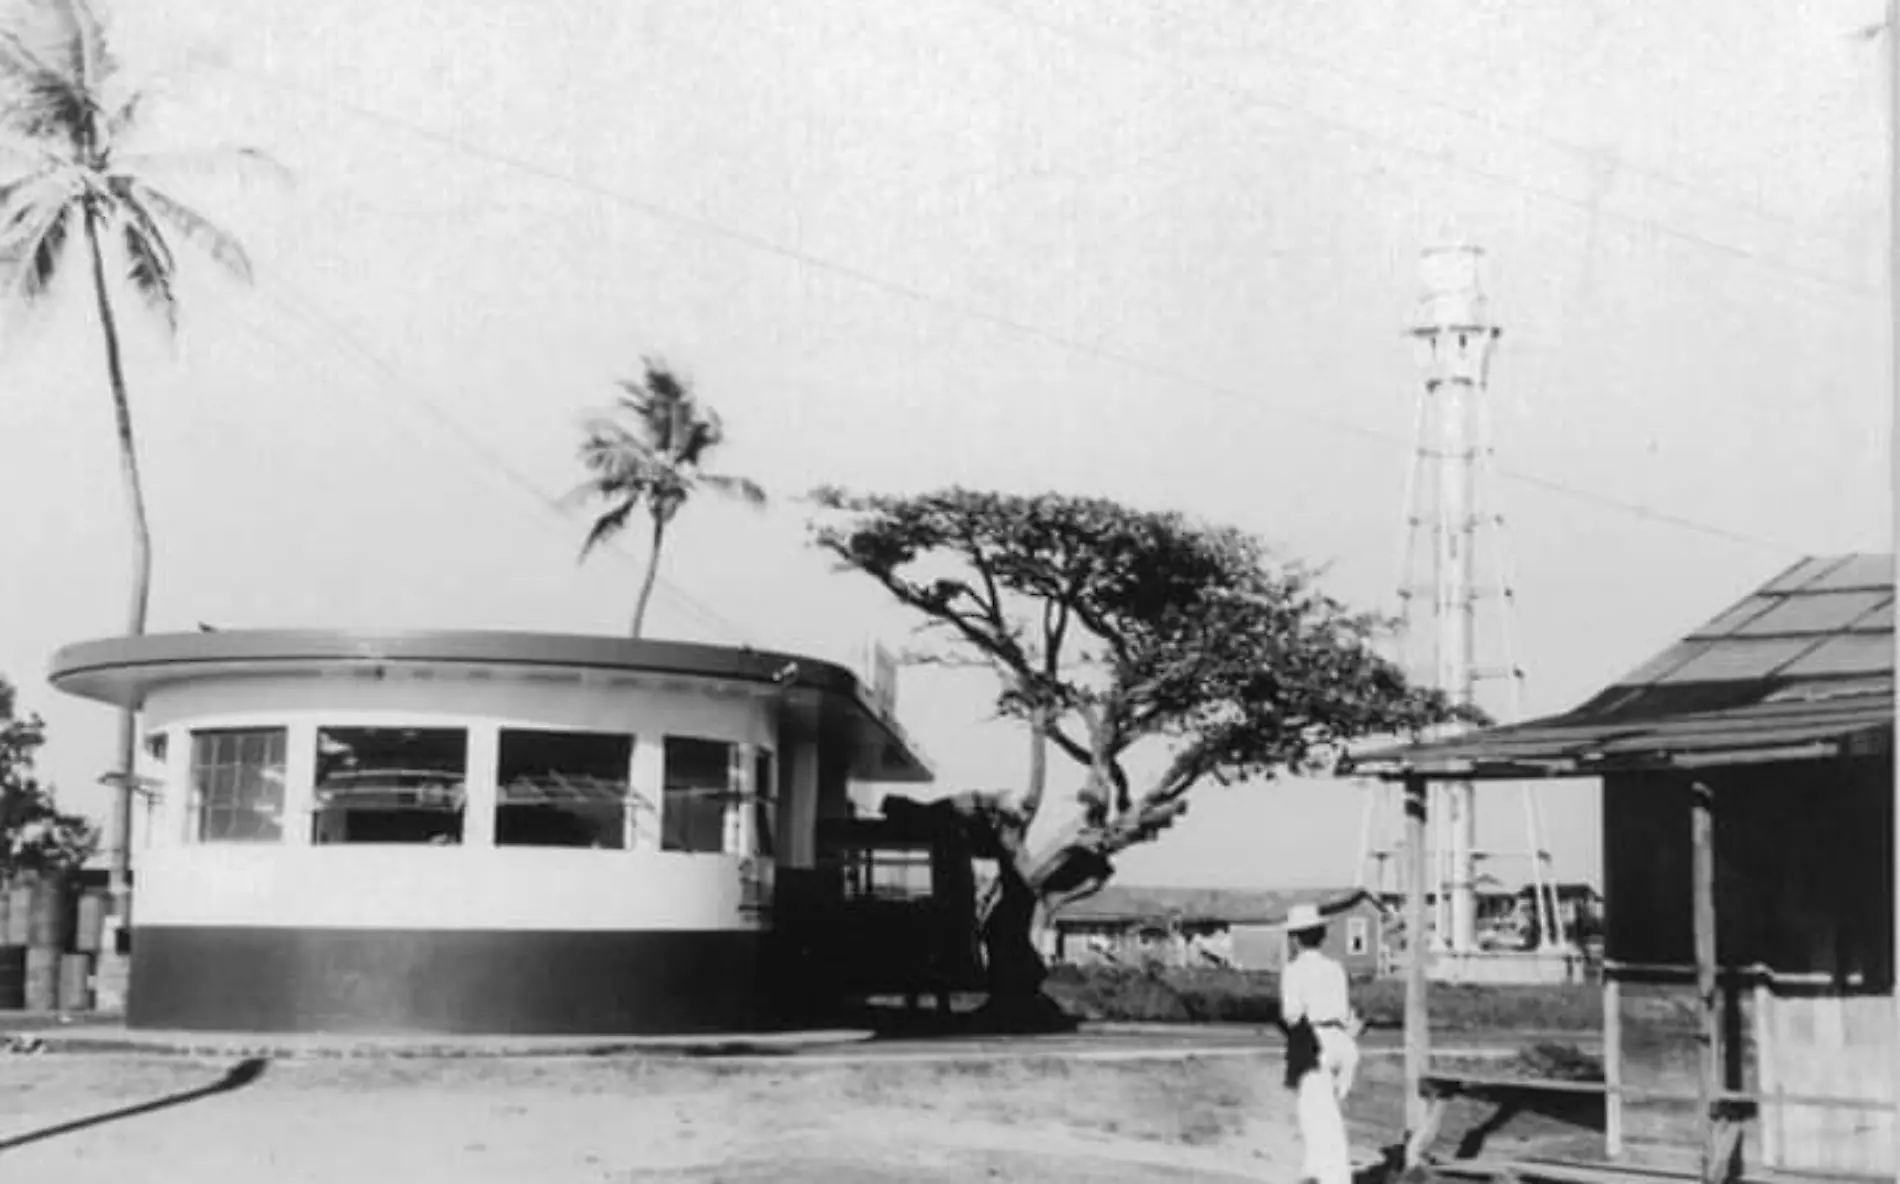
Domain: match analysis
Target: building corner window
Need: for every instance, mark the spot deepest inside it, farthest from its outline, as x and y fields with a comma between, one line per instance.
x=237, y=785
x=718, y=798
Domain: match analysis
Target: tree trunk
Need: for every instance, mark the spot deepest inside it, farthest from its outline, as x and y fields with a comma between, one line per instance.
x=121, y=858
x=1038, y=767
x=1015, y=970
x=653, y=574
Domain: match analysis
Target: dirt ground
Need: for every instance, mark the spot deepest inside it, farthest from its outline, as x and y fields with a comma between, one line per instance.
x=632, y=1119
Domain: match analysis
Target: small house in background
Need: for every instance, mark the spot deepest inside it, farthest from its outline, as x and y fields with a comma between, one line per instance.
x=1240, y=929
x=1579, y=909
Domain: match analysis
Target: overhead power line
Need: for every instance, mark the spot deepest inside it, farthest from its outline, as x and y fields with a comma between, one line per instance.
x=348, y=347
x=1443, y=160
x=958, y=308
x=1587, y=154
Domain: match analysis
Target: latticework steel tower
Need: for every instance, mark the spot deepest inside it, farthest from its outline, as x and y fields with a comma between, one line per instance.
x=1456, y=589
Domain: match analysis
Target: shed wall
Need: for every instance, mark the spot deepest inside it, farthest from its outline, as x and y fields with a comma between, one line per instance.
x=1804, y=868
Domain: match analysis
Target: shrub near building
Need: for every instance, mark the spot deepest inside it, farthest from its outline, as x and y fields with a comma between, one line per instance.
x=1174, y=995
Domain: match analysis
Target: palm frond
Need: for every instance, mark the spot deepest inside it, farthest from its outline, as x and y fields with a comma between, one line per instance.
x=37, y=253
x=608, y=525
x=39, y=102
x=149, y=267
x=647, y=452
x=616, y=455
x=211, y=238
x=578, y=496
x=703, y=432
x=55, y=65
x=80, y=34
x=235, y=161
x=23, y=152
x=124, y=114
x=744, y=489
x=15, y=201
x=661, y=380
x=19, y=60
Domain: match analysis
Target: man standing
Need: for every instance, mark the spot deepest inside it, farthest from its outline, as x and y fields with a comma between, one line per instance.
x=1313, y=997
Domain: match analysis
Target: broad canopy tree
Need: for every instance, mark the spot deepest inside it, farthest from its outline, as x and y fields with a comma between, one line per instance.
x=1111, y=627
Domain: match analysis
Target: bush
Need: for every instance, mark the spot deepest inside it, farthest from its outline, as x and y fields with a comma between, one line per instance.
x=35, y=834
x=1175, y=995
x=1470, y=1007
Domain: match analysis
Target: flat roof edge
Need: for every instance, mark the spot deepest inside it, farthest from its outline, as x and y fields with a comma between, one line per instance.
x=120, y=671
x=576, y=650
x=1587, y=765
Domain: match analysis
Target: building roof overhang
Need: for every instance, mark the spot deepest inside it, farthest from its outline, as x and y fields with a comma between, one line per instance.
x=1801, y=669
x=123, y=671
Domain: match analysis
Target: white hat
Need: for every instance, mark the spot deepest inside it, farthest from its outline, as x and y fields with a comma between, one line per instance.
x=1302, y=917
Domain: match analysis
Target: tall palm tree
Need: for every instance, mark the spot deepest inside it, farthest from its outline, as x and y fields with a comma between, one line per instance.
x=67, y=111
x=647, y=454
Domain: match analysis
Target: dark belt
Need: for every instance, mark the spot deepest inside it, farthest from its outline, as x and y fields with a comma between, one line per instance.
x=1340, y=1024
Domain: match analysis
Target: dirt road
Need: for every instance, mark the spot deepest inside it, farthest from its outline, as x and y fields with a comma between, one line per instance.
x=476, y=1121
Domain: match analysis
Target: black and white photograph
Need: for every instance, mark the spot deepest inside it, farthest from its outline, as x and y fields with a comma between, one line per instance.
x=1042, y=591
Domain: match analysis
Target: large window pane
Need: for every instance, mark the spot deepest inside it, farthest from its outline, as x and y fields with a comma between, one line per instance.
x=390, y=785
x=237, y=783
x=562, y=789
x=697, y=788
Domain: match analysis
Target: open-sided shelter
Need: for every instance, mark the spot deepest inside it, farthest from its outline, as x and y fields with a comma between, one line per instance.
x=1748, y=817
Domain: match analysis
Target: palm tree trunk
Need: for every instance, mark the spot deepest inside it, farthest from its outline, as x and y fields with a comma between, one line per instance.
x=121, y=847
x=653, y=573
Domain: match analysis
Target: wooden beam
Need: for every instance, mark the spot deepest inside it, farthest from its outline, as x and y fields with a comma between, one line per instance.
x=1612, y=1065
x=1702, y=894
x=1767, y=1073
x=1893, y=378
x=1417, y=950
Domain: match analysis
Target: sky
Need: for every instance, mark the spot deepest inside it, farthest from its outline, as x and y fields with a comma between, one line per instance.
x=1162, y=253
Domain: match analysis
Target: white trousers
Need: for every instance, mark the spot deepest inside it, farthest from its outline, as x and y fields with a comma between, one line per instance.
x=1328, y=1159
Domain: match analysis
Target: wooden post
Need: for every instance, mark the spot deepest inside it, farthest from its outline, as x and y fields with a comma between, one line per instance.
x=1767, y=1079
x=1702, y=889
x=1893, y=380
x=1612, y=1064
x=1417, y=950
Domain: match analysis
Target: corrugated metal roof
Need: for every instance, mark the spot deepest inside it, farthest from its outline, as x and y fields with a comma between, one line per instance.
x=1804, y=660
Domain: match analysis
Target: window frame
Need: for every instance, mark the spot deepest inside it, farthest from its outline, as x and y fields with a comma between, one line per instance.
x=693, y=797
x=621, y=829
x=1358, y=936
x=458, y=791
x=747, y=804
x=200, y=809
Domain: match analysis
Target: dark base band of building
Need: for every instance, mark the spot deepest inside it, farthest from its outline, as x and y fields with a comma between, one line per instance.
x=475, y=982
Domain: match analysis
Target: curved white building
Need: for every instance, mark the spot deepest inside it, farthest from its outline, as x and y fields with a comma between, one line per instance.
x=474, y=832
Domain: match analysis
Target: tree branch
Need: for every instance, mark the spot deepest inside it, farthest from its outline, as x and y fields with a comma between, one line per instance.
x=1072, y=747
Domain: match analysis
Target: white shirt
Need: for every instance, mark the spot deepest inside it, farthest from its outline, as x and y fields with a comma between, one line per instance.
x=1314, y=987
